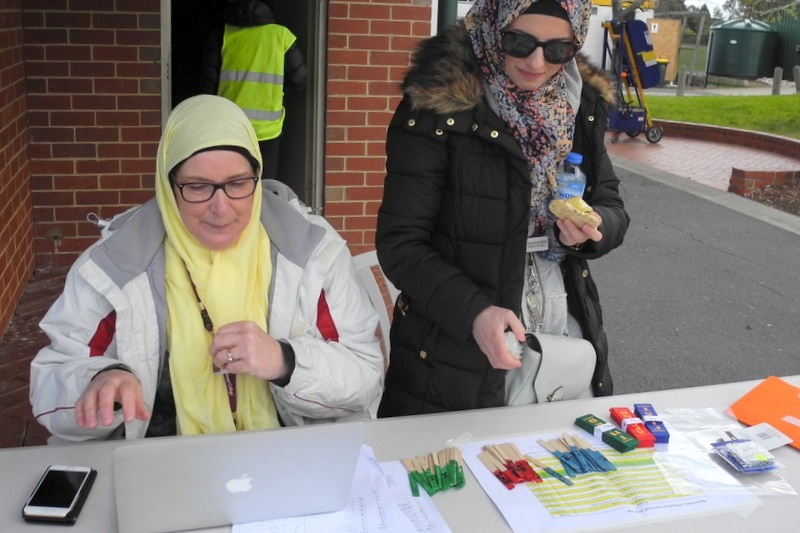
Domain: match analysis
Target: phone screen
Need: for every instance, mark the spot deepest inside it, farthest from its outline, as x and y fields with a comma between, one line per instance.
x=60, y=494
x=58, y=489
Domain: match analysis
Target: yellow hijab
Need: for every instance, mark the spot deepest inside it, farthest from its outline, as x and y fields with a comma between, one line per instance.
x=233, y=284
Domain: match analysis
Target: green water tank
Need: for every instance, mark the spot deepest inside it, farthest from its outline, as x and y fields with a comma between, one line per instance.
x=743, y=49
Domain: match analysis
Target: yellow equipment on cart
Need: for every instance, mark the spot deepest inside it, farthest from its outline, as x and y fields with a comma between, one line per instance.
x=628, y=47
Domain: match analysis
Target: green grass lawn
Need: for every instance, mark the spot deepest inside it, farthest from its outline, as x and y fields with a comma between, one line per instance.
x=775, y=114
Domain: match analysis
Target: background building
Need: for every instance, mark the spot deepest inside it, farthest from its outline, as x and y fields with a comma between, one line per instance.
x=85, y=86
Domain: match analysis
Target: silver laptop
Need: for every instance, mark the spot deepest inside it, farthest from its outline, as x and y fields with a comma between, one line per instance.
x=178, y=483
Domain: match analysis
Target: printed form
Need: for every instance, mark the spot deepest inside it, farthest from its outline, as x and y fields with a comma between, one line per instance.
x=646, y=486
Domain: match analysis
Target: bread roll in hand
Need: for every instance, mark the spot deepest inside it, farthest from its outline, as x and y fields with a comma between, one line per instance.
x=574, y=209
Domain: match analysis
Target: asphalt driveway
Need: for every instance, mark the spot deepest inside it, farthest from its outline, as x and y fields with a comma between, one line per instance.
x=705, y=290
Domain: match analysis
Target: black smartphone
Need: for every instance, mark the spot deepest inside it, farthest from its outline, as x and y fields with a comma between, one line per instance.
x=60, y=494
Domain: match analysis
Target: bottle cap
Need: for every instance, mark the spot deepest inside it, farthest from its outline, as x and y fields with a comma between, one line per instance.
x=574, y=158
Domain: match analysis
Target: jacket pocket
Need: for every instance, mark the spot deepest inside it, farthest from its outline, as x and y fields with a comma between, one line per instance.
x=412, y=333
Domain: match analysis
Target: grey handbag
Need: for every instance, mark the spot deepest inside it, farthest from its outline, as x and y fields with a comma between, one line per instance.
x=554, y=367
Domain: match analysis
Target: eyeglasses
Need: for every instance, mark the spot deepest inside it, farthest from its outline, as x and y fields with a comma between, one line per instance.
x=199, y=192
x=521, y=45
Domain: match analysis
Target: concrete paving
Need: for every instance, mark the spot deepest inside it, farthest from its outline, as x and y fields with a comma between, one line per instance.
x=705, y=162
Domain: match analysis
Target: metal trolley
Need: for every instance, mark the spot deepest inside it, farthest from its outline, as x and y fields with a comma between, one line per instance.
x=629, y=50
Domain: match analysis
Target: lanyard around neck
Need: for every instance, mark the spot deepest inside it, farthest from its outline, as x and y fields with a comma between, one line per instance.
x=230, y=379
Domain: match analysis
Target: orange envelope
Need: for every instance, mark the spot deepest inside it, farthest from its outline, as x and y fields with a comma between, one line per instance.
x=773, y=401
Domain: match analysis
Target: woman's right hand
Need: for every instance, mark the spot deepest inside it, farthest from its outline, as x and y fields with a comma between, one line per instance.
x=104, y=390
x=489, y=329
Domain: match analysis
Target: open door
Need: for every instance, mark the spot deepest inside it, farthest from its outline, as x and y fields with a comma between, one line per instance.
x=303, y=135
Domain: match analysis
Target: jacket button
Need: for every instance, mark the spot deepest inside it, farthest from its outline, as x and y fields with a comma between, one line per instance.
x=495, y=134
x=412, y=122
x=423, y=354
x=585, y=273
x=590, y=118
x=451, y=121
x=439, y=132
x=474, y=127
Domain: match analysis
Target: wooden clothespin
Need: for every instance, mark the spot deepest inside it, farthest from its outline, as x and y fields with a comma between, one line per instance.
x=549, y=470
x=435, y=472
x=519, y=464
x=496, y=468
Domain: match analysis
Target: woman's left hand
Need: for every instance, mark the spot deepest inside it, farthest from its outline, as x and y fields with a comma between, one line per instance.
x=572, y=235
x=245, y=348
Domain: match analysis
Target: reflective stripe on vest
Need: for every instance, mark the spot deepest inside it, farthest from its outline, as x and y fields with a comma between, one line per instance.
x=252, y=74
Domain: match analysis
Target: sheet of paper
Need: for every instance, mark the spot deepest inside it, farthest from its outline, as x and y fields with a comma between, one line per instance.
x=764, y=434
x=374, y=506
x=645, y=487
x=421, y=511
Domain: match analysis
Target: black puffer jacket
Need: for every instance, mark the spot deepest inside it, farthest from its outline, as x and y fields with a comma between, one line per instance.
x=453, y=224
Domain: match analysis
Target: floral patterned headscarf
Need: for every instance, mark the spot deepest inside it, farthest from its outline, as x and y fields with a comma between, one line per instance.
x=542, y=121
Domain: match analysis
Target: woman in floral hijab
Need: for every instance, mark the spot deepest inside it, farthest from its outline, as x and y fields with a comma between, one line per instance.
x=491, y=108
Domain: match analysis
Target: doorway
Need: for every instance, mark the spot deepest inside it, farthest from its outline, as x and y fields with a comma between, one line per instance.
x=302, y=141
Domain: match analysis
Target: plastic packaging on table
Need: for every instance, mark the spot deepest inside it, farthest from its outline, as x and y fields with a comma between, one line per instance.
x=692, y=432
x=745, y=456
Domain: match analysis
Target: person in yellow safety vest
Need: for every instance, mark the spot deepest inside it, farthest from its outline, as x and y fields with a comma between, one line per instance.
x=253, y=61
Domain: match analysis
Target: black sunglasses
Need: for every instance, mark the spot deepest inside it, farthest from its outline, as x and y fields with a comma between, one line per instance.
x=521, y=45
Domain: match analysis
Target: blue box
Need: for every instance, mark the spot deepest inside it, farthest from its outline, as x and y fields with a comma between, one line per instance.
x=652, y=421
x=627, y=119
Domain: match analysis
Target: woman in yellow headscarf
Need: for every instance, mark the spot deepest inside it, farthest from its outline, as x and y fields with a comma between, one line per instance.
x=239, y=312
x=217, y=256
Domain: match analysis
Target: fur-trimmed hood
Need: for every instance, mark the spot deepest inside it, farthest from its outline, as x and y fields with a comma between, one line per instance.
x=444, y=75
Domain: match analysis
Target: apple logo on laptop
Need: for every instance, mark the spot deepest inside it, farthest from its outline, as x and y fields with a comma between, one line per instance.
x=242, y=483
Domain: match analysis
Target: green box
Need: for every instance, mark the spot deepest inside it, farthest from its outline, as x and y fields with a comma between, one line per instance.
x=608, y=433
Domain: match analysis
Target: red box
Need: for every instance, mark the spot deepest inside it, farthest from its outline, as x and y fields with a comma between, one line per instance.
x=633, y=425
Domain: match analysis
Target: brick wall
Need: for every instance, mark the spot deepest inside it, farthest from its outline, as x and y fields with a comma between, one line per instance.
x=94, y=103
x=666, y=43
x=91, y=79
x=93, y=67
x=369, y=44
x=744, y=182
x=16, y=237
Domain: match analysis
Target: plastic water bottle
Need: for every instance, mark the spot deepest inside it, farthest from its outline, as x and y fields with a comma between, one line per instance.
x=570, y=178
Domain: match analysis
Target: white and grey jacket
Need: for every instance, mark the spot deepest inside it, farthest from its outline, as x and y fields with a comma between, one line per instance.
x=122, y=275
